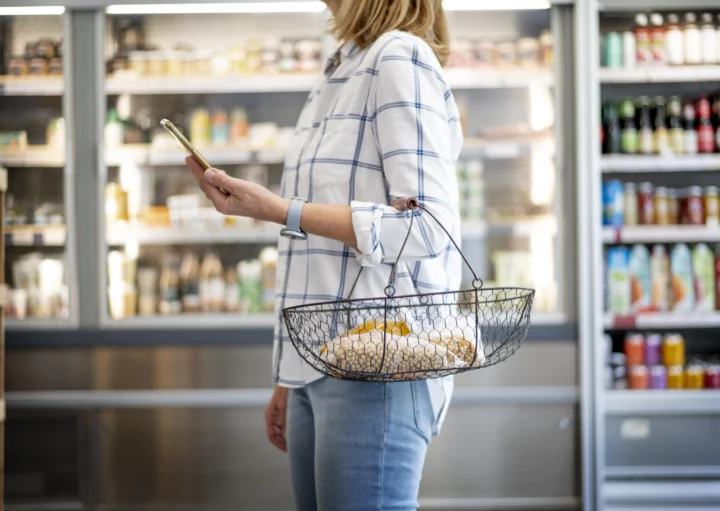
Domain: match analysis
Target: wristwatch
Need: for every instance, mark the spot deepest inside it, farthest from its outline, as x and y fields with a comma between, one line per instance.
x=292, y=225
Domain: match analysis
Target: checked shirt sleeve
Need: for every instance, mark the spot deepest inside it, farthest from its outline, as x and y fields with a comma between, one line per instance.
x=418, y=138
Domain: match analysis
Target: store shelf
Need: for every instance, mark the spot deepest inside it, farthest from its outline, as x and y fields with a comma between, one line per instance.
x=35, y=236
x=662, y=321
x=497, y=79
x=171, y=236
x=661, y=234
x=31, y=86
x=33, y=156
x=524, y=227
x=660, y=74
x=236, y=321
x=45, y=324
x=212, y=84
x=658, y=163
x=662, y=402
x=505, y=149
x=145, y=155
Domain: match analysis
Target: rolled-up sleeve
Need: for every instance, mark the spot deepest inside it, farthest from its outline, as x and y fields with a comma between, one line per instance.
x=418, y=139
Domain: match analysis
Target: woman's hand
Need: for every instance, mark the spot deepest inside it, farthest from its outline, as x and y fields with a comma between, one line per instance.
x=275, y=414
x=236, y=197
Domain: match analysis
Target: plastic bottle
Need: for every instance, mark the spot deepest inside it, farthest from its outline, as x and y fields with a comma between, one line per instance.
x=676, y=133
x=658, y=39
x=691, y=138
x=709, y=39
x=644, y=124
x=675, y=41
x=693, y=41
x=629, y=49
x=704, y=127
x=643, y=40
x=661, y=140
x=113, y=130
x=189, y=283
x=212, y=284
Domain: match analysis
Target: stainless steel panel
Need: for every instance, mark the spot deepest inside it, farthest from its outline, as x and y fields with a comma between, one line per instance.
x=633, y=441
x=542, y=364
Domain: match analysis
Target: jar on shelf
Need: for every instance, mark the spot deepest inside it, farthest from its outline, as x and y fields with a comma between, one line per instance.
x=174, y=65
x=711, y=203
x=528, y=52
x=546, y=48
x=693, y=213
x=139, y=62
x=646, y=204
x=662, y=206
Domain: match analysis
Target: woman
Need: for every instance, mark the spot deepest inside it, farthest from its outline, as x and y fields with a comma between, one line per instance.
x=381, y=125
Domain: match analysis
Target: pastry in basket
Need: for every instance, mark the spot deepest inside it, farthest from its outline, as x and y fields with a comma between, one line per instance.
x=366, y=353
x=393, y=327
x=460, y=342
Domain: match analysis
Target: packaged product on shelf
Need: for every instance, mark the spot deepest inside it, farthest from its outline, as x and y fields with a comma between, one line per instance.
x=708, y=42
x=653, y=350
x=170, y=302
x=42, y=278
x=634, y=349
x=17, y=304
x=673, y=350
x=506, y=54
x=200, y=130
x=674, y=207
x=121, y=289
x=676, y=132
x=13, y=140
x=660, y=278
x=717, y=277
x=270, y=56
x=643, y=40
x=640, y=282
x=620, y=380
x=250, y=273
x=661, y=142
x=546, y=48
x=613, y=203
x=704, y=127
x=184, y=211
x=309, y=55
x=630, y=204
x=485, y=53
x=220, y=64
x=269, y=261
x=646, y=204
x=676, y=377
x=288, y=62
x=56, y=133
x=675, y=41
x=682, y=278
x=629, y=133
x=703, y=262
x=712, y=377
x=693, y=207
x=629, y=50
x=618, y=275
x=190, y=283
x=694, y=377
x=528, y=52
x=691, y=136
x=147, y=291
x=661, y=204
x=116, y=205
x=646, y=140
x=658, y=377
x=239, y=126
x=657, y=35
x=18, y=66
x=711, y=204
x=212, y=284
x=639, y=377
x=232, y=291
x=219, y=128
x=263, y=135
x=693, y=40
x=612, y=142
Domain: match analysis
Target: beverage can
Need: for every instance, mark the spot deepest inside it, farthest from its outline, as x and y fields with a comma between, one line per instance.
x=653, y=350
x=639, y=377
x=634, y=347
x=673, y=350
x=694, y=377
x=658, y=377
x=675, y=377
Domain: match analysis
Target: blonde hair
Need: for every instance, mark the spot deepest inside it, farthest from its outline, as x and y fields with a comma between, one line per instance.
x=364, y=21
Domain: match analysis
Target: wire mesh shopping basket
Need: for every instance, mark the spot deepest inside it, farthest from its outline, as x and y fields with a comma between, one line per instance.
x=412, y=337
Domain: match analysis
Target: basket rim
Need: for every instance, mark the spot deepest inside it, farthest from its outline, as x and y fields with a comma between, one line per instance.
x=300, y=308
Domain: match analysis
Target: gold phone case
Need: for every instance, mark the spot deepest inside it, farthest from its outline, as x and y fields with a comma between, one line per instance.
x=184, y=142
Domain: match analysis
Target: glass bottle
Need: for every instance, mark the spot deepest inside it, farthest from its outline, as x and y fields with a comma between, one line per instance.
x=629, y=133
x=676, y=133
x=661, y=142
x=691, y=138
x=643, y=40
x=708, y=39
x=644, y=124
x=189, y=283
x=658, y=39
x=612, y=132
x=212, y=284
x=675, y=41
x=693, y=42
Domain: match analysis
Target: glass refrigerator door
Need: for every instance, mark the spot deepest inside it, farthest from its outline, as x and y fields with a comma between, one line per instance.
x=235, y=88
x=502, y=72
x=33, y=149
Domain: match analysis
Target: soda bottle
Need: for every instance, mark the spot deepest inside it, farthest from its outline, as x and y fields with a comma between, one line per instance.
x=676, y=133
x=705, y=131
x=661, y=142
x=691, y=136
x=644, y=124
x=611, y=130
x=628, y=128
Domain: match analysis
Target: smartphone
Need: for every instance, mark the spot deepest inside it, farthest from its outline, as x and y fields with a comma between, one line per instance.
x=184, y=143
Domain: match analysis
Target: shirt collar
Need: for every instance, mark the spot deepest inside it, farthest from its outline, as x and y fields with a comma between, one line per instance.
x=346, y=50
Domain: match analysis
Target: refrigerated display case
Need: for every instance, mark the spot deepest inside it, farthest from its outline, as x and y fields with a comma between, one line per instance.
x=33, y=148
x=652, y=185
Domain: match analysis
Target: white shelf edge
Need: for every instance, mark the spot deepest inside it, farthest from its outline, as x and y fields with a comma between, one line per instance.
x=171, y=236
x=661, y=234
x=24, y=86
x=31, y=323
x=660, y=74
x=200, y=321
x=662, y=402
x=548, y=318
x=662, y=321
x=214, y=84
x=33, y=156
x=659, y=163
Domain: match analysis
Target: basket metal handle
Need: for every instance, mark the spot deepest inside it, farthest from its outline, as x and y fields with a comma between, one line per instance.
x=413, y=204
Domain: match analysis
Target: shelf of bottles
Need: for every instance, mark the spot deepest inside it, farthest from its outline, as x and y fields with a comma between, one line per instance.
x=661, y=210
x=32, y=149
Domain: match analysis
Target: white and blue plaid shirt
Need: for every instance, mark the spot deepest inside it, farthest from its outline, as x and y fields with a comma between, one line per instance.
x=381, y=125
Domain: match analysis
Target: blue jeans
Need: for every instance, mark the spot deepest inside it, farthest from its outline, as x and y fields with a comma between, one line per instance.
x=358, y=446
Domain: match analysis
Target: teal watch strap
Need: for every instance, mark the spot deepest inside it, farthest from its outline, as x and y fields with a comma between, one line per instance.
x=292, y=225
